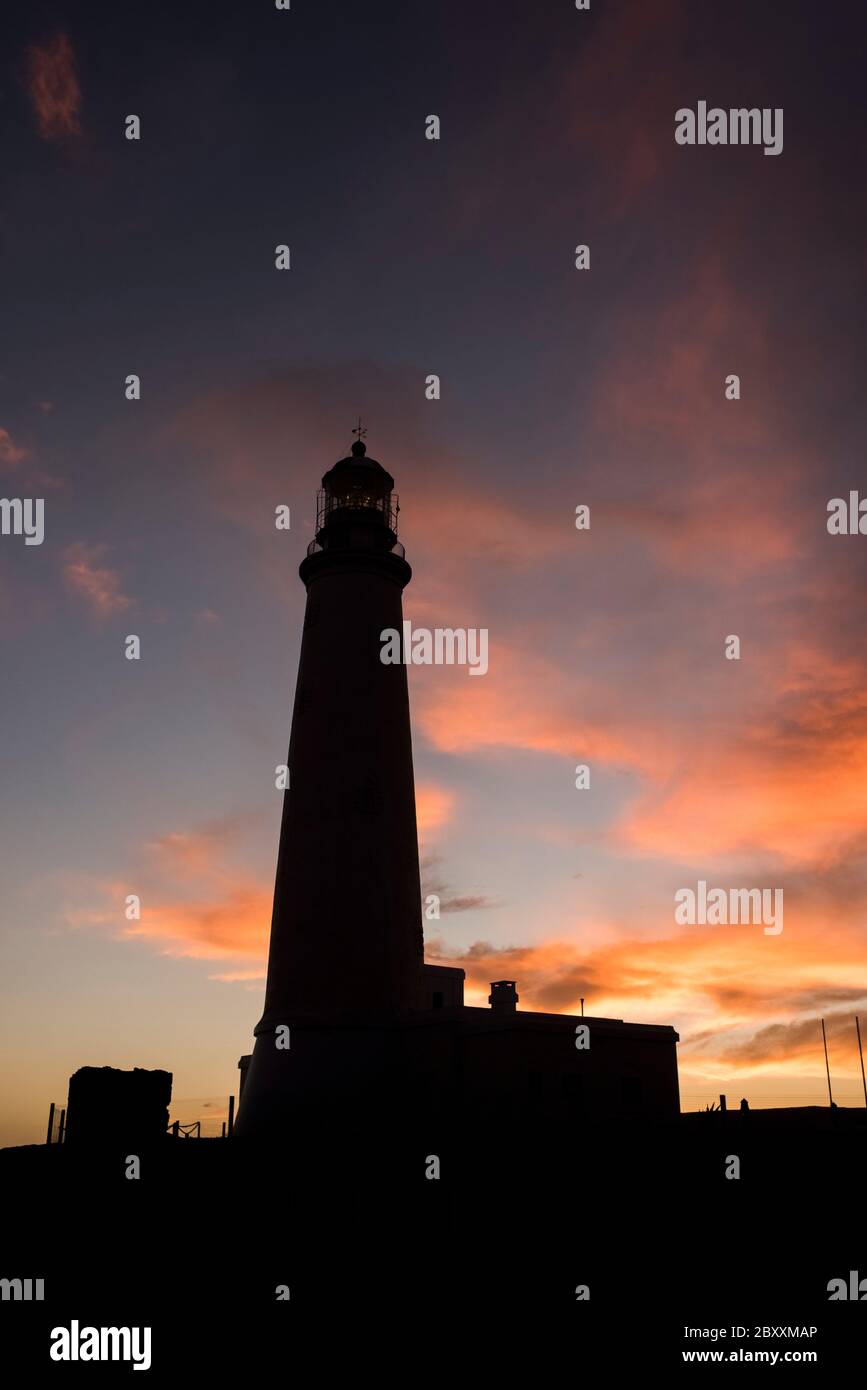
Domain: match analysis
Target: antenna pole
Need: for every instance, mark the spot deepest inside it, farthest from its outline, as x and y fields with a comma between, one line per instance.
x=861, y=1055
x=827, y=1068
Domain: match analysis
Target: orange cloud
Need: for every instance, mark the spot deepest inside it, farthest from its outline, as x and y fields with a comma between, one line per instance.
x=433, y=808
x=740, y=1001
x=199, y=904
x=194, y=903
x=244, y=976
x=233, y=923
x=195, y=853
x=53, y=87
x=99, y=586
x=524, y=701
x=790, y=780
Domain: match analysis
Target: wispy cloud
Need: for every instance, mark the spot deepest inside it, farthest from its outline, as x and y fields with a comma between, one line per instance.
x=196, y=902
x=231, y=923
x=99, y=586
x=53, y=86
x=11, y=454
x=450, y=901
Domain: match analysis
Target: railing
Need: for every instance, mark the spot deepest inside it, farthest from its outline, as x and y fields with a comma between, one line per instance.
x=193, y=1130
x=199, y=1117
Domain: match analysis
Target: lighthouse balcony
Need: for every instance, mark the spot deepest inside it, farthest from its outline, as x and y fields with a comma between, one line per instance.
x=396, y=549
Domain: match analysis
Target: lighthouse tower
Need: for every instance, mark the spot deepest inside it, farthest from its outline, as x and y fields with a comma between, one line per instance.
x=346, y=954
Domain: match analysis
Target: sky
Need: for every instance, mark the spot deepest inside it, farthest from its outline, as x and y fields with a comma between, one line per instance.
x=603, y=387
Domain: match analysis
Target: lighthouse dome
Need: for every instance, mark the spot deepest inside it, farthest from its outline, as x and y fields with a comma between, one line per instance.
x=357, y=470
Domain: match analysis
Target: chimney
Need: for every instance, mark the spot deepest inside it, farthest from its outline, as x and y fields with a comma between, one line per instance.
x=503, y=996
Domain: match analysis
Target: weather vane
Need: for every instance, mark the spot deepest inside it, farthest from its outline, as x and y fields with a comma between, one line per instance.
x=358, y=429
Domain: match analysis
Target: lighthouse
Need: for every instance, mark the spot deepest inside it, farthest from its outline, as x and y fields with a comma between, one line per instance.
x=346, y=951
x=357, y=1028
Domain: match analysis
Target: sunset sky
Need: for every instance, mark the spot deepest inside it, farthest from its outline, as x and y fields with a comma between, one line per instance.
x=560, y=387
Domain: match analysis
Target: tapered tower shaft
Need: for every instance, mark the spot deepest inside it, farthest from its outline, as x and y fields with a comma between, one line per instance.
x=346, y=937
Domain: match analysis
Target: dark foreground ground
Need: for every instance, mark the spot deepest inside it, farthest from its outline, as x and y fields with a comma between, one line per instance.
x=489, y=1255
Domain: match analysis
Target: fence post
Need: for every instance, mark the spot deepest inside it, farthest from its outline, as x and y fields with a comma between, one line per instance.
x=50, y=1122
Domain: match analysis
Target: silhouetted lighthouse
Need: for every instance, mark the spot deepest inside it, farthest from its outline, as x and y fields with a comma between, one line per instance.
x=357, y=1028
x=346, y=936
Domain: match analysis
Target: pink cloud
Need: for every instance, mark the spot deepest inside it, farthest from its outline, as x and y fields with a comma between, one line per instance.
x=433, y=808
x=233, y=922
x=99, y=586
x=10, y=453
x=195, y=903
